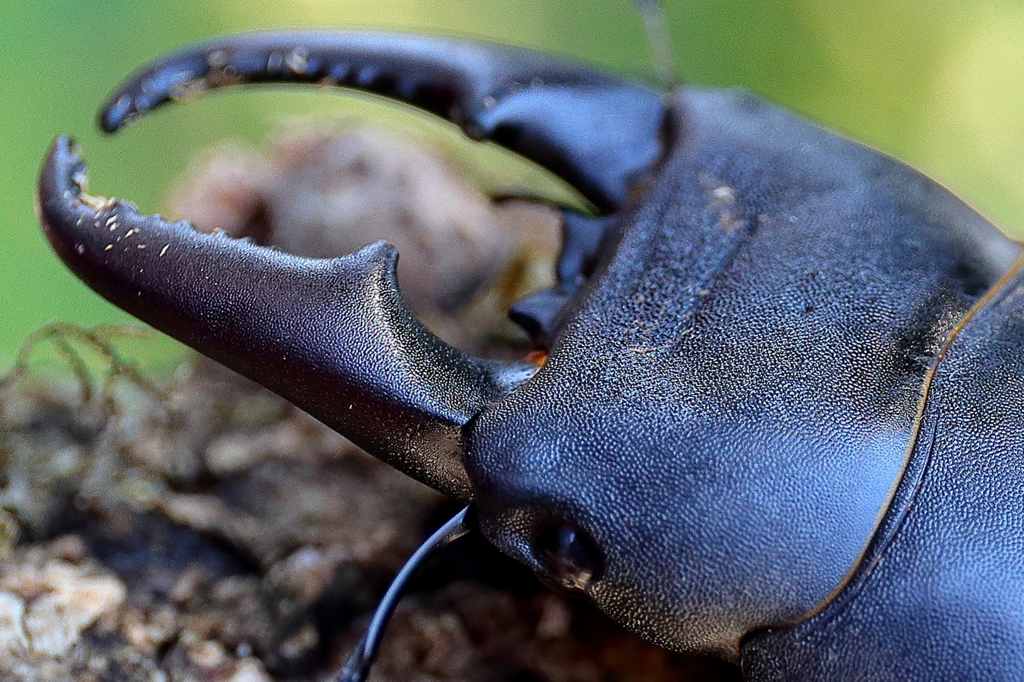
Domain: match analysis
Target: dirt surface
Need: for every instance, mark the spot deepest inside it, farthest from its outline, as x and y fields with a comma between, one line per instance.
x=197, y=528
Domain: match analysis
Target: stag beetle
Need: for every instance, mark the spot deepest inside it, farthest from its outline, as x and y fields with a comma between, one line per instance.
x=780, y=414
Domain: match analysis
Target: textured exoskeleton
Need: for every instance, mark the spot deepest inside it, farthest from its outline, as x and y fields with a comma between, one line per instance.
x=780, y=415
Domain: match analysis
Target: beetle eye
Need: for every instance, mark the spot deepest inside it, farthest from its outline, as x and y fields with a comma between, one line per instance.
x=570, y=555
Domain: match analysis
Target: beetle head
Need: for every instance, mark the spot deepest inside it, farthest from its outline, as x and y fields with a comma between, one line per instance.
x=729, y=400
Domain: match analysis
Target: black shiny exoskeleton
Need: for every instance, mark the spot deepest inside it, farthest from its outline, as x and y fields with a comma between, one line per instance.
x=781, y=414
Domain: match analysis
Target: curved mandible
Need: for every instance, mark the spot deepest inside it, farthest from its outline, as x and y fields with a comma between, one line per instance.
x=599, y=133
x=332, y=336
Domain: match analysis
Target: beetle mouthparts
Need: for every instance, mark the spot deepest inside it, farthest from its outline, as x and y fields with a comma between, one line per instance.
x=332, y=336
x=598, y=132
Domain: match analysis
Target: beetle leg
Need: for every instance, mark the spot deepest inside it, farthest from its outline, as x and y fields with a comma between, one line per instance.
x=582, y=237
x=332, y=336
x=538, y=314
x=598, y=132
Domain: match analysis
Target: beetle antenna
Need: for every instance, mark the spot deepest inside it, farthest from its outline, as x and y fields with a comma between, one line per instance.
x=357, y=665
x=652, y=15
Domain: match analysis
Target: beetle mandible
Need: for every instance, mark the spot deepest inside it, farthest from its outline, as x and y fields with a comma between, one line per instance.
x=779, y=417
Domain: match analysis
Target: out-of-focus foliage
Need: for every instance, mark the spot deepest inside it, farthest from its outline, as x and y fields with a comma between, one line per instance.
x=934, y=82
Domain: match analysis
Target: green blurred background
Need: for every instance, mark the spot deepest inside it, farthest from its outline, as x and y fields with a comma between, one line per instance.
x=934, y=82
